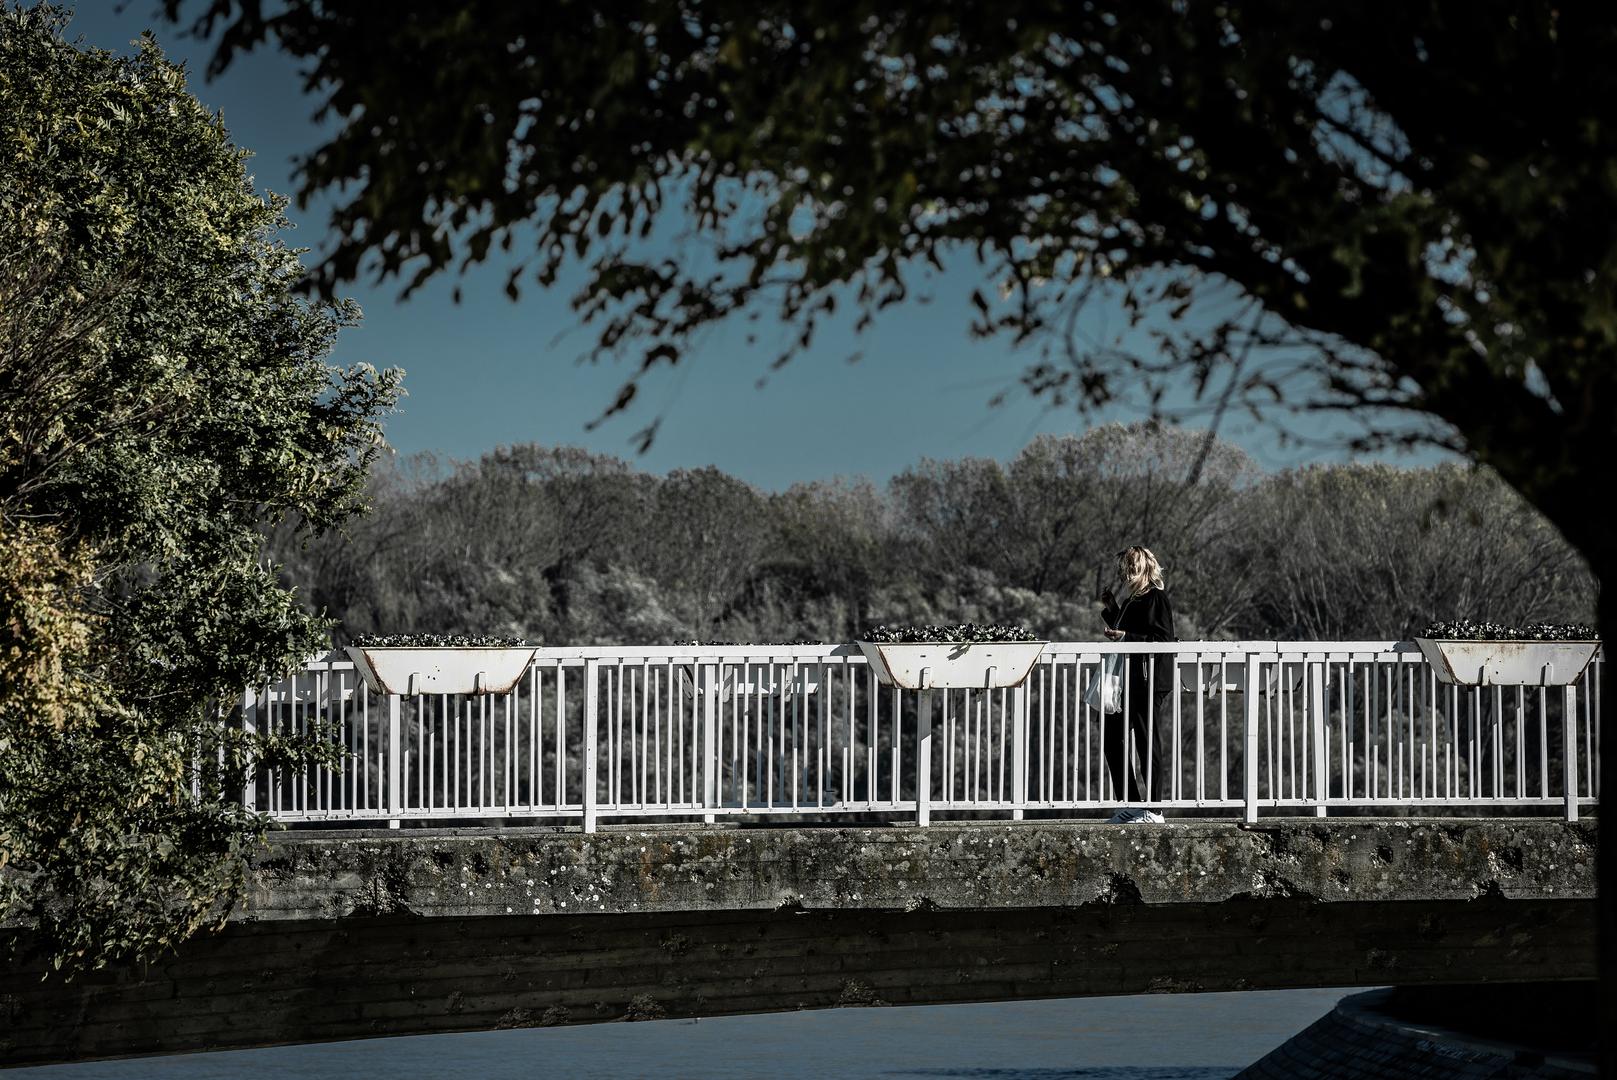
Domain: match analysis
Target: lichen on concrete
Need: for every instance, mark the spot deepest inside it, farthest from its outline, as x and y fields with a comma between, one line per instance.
x=625, y=869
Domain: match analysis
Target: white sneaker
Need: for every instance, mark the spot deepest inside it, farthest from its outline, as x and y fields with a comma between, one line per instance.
x=1130, y=815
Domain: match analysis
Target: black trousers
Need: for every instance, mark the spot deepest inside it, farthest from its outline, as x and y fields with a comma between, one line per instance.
x=1150, y=714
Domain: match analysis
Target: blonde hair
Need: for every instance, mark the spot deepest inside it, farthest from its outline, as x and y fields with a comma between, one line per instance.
x=1140, y=569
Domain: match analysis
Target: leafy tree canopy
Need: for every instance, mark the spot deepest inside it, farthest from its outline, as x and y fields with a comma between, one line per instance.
x=163, y=396
x=1405, y=206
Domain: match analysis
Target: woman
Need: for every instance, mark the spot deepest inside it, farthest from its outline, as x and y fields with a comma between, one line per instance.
x=1144, y=615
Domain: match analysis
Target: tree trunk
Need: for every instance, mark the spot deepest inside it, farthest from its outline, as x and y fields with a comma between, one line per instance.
x=1606, y=847
x=1585, y=528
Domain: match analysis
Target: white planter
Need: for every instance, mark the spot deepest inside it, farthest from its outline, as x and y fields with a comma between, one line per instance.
x=952, y=665
x=440, y=670
x=1508, y=663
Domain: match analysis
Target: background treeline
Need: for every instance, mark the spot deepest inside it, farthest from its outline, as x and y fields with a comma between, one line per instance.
x=562, y=546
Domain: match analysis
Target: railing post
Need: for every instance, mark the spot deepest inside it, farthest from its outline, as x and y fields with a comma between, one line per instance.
x=592, y=692
x=395, y=764
x=249, y=728
x=1569, y=750
x=334, y=709
x=1316, y=714
x=1249, y=764
x=1019, y=704
x=710, y=753
x=923, y=753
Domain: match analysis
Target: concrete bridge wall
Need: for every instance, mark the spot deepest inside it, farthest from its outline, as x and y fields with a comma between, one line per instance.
x=348, y=935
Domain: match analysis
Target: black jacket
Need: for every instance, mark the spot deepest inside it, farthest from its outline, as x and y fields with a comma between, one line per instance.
x=1147, y=617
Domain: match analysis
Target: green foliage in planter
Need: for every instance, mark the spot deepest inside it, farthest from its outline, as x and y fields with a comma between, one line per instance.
x=437, y=641
x=960, y=632
x=1469, y=630
x=163, y=397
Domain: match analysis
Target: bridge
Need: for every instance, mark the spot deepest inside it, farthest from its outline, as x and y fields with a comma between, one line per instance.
x=757, y=844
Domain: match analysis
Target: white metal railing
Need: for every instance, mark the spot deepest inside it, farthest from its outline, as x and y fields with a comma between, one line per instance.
x=663, y=731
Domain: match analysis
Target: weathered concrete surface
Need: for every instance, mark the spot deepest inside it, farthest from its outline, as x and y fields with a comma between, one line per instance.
x=976, y=865
x=348, y=936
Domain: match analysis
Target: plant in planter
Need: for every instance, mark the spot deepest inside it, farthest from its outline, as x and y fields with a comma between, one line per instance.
x=440, y=663
x=1468, y=653
x=963, y=656
x=732, y=680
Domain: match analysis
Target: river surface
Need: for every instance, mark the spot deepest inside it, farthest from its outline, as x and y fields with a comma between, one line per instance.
x=1149, y=1037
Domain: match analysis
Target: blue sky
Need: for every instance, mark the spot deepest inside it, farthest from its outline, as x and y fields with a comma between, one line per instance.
x=490, y=371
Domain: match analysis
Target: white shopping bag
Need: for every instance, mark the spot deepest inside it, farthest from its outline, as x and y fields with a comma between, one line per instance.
x=1105, y=692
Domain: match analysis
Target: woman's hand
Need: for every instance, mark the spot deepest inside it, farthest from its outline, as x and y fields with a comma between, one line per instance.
x=1115, y=635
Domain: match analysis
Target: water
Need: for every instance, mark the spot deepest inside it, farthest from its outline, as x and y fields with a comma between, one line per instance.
x=1149, y=1037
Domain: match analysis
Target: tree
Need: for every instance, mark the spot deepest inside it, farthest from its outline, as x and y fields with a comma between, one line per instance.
x=162, y=396
x=491, y=546
x=1152, y=484
x=1400, y=214
x=1369, y=551
x=956, y=514
x=702, y=540
x=1414, y=199
x=1053, y=520
x=834, y=548
x=366, y=574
